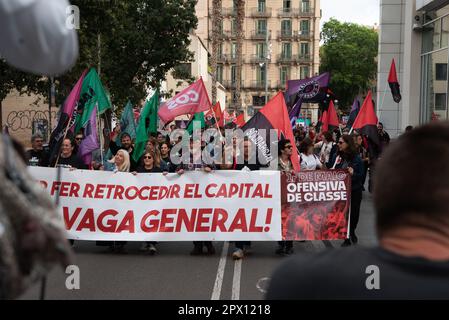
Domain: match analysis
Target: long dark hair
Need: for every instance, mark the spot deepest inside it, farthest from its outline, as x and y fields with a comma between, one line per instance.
x=351, y=152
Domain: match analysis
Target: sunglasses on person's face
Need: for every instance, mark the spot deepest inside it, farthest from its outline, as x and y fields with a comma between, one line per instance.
x=77, y=139
x=341, y=142
x=148, y=157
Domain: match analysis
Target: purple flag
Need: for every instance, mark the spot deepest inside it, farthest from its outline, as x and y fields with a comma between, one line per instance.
x=90, y=142
x=294, y=112
x=312, y=90
x=354, y=112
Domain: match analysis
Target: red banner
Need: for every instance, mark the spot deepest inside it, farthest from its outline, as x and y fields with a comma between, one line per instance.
x=315, y=205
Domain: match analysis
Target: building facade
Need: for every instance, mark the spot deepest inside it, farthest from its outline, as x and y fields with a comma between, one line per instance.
x=281, y=42
x=416, y=34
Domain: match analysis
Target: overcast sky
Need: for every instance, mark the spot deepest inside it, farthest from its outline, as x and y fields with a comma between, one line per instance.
x=364, y=12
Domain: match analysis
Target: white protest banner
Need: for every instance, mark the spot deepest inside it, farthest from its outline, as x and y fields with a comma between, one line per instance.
x=221, y=206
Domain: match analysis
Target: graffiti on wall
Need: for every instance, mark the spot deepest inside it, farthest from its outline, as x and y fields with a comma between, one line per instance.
x=23, y=120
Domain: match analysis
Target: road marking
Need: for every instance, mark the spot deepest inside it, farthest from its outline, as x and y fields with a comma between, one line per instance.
x=236, y=280
x=262, y=284
x=220, y=272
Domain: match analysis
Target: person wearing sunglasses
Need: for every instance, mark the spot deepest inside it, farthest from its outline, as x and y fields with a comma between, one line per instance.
x=347, y=157
x=150, y=163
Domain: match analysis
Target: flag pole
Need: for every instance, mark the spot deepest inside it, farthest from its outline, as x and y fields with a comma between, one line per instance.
x=100, y=133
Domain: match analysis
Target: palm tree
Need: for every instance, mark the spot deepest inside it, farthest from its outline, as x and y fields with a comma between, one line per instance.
x=240, y=5
x=216, y=29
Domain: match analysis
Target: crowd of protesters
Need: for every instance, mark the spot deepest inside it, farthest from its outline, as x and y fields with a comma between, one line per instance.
x=317, y=151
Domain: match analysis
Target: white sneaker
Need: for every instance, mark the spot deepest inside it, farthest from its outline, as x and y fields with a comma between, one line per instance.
x=238, y=254
x=152, y=249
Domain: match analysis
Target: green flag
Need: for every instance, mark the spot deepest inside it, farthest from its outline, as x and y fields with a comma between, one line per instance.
x=197, y=117
x=147, y=125
x=92, y=93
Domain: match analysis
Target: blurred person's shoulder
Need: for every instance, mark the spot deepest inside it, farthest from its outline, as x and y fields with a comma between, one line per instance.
x=359, y=273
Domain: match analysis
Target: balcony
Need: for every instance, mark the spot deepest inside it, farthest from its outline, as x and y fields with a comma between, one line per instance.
x=232, y=84
x=260, y=35
x=287, y=13
x=256, y=13
x=303, y=58
x=281, y=85
x=286, y=59
x=259, y=85
x=223, y=58
x=286, y=35
x=306, y=12
x=304, y=35
x=229, y=12
x=256, y=59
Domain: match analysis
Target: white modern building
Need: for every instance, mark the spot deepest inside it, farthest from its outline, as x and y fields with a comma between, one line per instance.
x=416, y=34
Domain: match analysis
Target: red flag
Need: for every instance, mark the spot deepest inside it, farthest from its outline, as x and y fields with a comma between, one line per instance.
x=394, y=83
x=325, y=121
x=191, y=100
x=366, y=121
x=333, y=121
x=216, y=114
x=240, y=120
x=275, y=116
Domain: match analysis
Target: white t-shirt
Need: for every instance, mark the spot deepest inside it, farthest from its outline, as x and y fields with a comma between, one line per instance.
x=34, y=36
x=310, y=162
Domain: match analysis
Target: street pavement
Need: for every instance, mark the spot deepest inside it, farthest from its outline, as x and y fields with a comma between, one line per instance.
x=174, y=274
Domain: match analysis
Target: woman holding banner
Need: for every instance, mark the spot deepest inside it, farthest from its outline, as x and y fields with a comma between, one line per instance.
x=120, y=163
x=285, y=150
x=150, y=163
x=347, y=158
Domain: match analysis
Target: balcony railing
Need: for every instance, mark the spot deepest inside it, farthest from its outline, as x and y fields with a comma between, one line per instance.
x=255, y=58
x=260, y=85
x=306, y=12
x=232, y=84
x=281, y=85
x=304, y=35
x=260, y=34
x=282, y=58
x=225, y=34
x=286, y=34
x=287, y=12
x=303, y=58
x=256, y=13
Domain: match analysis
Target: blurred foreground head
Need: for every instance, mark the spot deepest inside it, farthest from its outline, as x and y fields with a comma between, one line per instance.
x=412, y=180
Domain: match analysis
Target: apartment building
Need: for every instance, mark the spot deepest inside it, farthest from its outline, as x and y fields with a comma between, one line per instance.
x=281, y=42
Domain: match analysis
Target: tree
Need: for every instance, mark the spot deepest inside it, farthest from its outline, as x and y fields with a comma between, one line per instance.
x=349, y=53
x=134, y=43
x=216, y=29
x=240, y=5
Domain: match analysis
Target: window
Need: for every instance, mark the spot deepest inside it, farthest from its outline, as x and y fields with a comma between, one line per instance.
x=261, y=50
x=219, y=73
x=286, y=27
x=261, y=6
x=284, y=75
x=441, y=71
x=261, y=26
x=233, y=73
x=220, y=49
x=305, y=72
x=287, y=5
x=260, y=76
x=305, y=27
x=286, y=50
x=233, y=26
x=234, y=50
x=305, y=6
x=440, y=102
x=305, y=49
